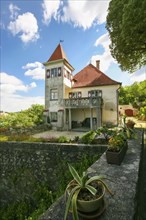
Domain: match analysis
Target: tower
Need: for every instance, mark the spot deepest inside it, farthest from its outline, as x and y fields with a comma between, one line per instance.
x=58, y=75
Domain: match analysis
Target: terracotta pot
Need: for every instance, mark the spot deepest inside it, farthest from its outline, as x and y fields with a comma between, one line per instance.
x=113, y=157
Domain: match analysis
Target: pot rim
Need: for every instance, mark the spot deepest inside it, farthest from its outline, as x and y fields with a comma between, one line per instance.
x=103, y=192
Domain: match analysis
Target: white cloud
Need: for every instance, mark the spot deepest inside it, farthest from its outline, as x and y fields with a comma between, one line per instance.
x=50, y=10
x=103, y=40
x=33, y=65
x=11, y=84
x=11, y=101
x=33, y=85
x=15, y=103
x=36, y=70
x=105, y=58
x=82, y=14
x=13, y=11
x=139, y=75
x=85, y=13
x=26, y=27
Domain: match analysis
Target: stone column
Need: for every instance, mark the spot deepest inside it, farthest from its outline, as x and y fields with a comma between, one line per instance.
x=98, y=114
x=91, y=118
x=70, y=127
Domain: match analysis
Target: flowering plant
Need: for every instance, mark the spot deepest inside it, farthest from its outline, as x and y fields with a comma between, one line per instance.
x=116, y=142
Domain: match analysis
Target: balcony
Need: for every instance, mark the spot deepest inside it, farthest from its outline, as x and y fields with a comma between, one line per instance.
x=83, y=102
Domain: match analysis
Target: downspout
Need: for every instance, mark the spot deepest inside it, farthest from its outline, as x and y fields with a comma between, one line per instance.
x=118, y=103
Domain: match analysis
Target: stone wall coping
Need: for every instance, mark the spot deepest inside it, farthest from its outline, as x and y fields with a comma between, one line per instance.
x=46, y=145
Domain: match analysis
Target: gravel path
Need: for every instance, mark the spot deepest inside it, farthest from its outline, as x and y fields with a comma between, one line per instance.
x=51, y=133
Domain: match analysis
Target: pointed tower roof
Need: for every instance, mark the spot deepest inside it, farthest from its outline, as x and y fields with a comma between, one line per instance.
x=91, y=76
x=58, y=54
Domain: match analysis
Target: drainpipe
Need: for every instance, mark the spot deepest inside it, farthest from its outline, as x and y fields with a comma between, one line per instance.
x=118, y=104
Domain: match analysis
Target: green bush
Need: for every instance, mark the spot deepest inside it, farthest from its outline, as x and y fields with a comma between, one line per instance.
x=142, y=113
x=88, y=137
x=106, y=132
x=62, y=139
x=24, y=119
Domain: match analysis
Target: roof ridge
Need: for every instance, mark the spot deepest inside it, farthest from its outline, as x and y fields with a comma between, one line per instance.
x=91, y=76
x=102, y=73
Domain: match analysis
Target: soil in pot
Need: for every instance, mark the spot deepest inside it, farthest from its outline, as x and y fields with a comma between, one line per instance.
x=87, y=202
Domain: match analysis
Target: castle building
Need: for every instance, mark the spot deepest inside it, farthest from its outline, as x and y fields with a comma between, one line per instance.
x=87, y=99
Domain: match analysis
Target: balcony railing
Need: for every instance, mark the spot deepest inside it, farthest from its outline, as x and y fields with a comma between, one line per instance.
x=83, y=102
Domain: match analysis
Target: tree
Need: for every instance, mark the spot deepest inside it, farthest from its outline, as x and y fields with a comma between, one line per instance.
x=35, y=112
x=27, y=118
x=133, y=94
x=126, y=24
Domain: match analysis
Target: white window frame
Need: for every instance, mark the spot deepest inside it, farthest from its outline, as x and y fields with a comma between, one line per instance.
x=54, y=94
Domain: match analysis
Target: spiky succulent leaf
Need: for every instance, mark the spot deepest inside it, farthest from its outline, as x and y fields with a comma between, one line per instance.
x=99, y=179
x=91, y=189
x=94, y=178
x=106, y=187
x=72, y=184
x=75, y=174
x=84, y=180
x=69, y=199
x=74, y=205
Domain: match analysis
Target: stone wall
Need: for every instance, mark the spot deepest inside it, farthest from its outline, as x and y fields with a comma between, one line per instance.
x=41, y=159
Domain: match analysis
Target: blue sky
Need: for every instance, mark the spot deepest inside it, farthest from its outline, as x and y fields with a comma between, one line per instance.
x=31, y=30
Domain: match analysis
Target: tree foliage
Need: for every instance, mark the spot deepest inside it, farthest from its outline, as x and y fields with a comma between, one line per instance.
x=126, y=24
x=134, y=94
x=26, y=118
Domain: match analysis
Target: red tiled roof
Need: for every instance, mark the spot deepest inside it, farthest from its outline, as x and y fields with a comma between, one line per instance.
x=91, y=76
x=58, y=54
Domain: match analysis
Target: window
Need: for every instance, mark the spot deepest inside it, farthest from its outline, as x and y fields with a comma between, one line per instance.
x=59, y=71
x=54, y=94
x=54, y=72
x=53, y=116
x=48, y=74
x=75, y=95
x=68, y=75
x=95, y=93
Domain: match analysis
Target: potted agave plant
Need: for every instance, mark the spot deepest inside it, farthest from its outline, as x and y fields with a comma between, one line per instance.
x=85, y=196
x=117, y=148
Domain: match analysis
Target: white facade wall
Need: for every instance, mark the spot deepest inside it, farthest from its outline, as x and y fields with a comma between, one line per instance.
x=110, y=102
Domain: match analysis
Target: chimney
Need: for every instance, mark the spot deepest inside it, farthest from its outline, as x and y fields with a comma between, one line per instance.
x=98, y=64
